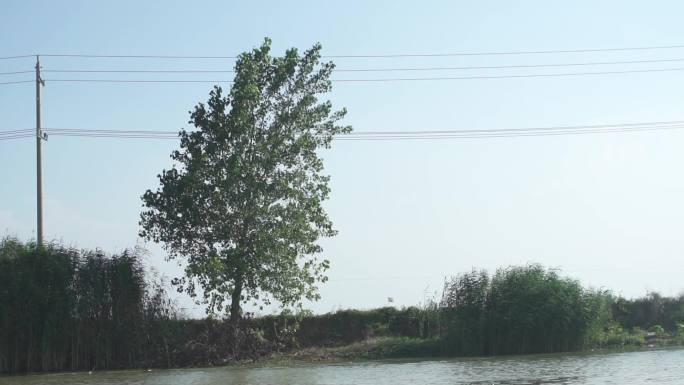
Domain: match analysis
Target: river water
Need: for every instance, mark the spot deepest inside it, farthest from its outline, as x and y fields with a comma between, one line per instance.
x=646, y=367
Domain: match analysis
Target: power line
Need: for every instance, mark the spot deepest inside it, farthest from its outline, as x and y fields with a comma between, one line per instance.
x=16, y=72
x=16, y=57
x=122, y=136
x=575, y=127
x=378, y=80
x=380, y=136
x=406, y=135
x=142, y=71
x=93, y=56
x=398, y=55
x=16, y=82
x=399, y=69
x=510, y=132
x=505, y=135
x=9, y=137
x=401, y=137
x=359, y=80
x=84, y=130
x=510, y=52
x=136, y=81
x=132, y=134
x=515, y=66
x=565, y=74
x=12, y=132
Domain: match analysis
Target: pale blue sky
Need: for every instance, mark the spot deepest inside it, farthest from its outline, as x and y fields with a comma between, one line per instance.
x=607, y=208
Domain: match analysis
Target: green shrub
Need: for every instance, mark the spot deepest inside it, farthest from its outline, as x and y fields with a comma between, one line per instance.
x=519, y=310
x=65, y=309
x=657, y=329
x=615, y=336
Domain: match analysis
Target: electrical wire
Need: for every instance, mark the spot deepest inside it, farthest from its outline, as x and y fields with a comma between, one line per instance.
x=135, y=81
x=383, y=135
x=500, y=53
x=9, y=137
x=406, y=135
x=93, y=56
x=131, y=134
x=16, y=134
x=83, y=130
x=12, y=132
x=399, y=55
x=17, y=72
x=17, y=82
x=16, y=57
x=143, y=71
x=542, y=65
x=124, y=136
x=503, y=135
x=565, y=74
x=378, y=80
x=512, y=76
x=509, y=132
x=576, y=127
x=400, y=69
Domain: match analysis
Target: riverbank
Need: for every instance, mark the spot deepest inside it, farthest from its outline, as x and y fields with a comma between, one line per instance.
x=374, y=350
x=371, y=349
x=384, y=348
x=662, y=367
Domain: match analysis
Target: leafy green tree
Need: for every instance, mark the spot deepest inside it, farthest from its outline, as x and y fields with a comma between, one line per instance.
x=243, y=204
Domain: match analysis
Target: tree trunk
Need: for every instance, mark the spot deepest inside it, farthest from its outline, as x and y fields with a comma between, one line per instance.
x=235, y=303
x=235, y=316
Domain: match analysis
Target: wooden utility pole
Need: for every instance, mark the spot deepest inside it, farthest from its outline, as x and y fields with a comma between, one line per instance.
x=39, y=162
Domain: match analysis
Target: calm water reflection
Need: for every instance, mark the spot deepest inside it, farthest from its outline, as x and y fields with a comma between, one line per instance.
x=650, y=367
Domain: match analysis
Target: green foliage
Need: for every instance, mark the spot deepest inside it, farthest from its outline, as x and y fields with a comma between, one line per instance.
x=645, y=312
x=657, y=329
x=680, y=329
x=679, y=334
x=465, y=300
x=615, y=336
x=64, y=309
x=519, y=310
x=244, y=206
x=348, y=326
x=378, y=329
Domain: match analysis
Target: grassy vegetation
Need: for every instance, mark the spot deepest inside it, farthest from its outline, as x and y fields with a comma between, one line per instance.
x=370, y=349
x=519, y=310
x=65, y=309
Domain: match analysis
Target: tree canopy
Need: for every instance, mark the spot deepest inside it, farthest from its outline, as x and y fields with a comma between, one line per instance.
x=242, y=205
